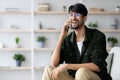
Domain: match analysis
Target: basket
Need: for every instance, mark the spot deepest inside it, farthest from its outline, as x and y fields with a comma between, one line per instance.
x=42, y=7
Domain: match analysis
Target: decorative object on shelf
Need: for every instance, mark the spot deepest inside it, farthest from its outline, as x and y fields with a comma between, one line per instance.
x=1, y=45
x=40, y=25
x=13, y=26
x=96, y=10
x=117, y=9
x=17, y=40
x=93, y=24
x=41, y=40
x=114, y=23
x=64, y=8
x=19, y=59
x=12, y=9
x=112, y=41
x=43, y=7
x=50, y=28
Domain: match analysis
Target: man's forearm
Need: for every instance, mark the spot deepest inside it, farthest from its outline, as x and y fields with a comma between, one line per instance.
x=56, y=53
x=90, y=66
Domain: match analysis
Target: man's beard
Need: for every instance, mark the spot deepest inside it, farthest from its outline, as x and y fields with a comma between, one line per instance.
x=77, y=27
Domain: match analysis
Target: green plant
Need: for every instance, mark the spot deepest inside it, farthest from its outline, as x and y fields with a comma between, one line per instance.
x=64, y=7
x=17, y=39
x=94, y=25
x=19, y=57
x=113, y=40
x=41, y=39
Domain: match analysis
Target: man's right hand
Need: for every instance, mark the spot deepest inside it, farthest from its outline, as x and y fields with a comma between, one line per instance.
x=65, y=28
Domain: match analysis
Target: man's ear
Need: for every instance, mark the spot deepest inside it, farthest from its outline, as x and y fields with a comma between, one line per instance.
x=85, y=18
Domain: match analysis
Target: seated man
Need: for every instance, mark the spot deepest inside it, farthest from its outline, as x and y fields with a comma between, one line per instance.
x=83, y=51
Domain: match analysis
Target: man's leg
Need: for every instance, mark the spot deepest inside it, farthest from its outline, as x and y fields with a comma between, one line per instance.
x=85, y=74
x=62, y=76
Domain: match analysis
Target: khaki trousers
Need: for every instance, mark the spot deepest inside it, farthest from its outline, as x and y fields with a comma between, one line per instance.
x=81, y=74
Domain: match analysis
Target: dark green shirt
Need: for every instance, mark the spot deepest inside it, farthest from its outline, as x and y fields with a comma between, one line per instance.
x=93, y=50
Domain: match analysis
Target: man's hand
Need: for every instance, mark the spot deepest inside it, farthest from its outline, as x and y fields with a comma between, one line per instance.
x=54, y=74
x=65, y=28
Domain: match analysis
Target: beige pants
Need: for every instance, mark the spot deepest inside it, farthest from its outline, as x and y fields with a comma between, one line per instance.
x=81, y=74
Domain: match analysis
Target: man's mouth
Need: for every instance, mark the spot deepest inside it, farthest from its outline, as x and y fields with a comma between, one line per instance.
x=74, y=22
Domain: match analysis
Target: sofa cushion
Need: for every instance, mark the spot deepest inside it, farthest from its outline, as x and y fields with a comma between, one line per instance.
x=115, y=69
x=109, y=61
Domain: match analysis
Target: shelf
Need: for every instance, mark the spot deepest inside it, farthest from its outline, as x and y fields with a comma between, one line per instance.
x=21, y=68
x=103, y=30
x=104, y=13
x=39, y=68
x=15, y=49
x=51, y=12
x=15, y=12
x=13, y=30
x=110, y=30
x=43, y=49
x=45, y=30
x=15, y=68
x=65, y=13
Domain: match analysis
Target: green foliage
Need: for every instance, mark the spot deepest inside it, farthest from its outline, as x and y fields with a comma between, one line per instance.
x=64, y=7
x=113, y=40
x=17, y=39
x=41, y=39
x=19, y=57
x=94, y=25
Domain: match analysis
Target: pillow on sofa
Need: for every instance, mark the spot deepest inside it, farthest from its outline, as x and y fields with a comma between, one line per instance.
x=109, y=61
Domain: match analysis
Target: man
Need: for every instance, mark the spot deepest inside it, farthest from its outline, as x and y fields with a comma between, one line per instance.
x=83, y=51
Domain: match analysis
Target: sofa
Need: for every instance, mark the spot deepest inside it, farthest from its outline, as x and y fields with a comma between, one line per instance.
x=113, y=61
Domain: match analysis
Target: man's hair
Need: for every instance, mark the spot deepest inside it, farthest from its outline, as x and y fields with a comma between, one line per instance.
x=78, y=8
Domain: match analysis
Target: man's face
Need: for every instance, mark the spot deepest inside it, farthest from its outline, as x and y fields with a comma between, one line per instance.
x=77, y=20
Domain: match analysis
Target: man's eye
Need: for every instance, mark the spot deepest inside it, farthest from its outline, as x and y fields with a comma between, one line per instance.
x=77, y=14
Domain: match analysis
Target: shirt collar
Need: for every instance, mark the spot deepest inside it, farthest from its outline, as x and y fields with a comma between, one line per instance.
x=87, y=35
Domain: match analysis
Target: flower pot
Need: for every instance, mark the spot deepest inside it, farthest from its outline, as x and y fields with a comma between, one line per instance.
x=110, y=45
x=18, y=63
x=41, y=44
x=17, y=46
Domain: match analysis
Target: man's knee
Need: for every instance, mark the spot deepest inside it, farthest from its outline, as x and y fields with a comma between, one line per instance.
x=86, y=74
x=48, y=69
x=81, y=71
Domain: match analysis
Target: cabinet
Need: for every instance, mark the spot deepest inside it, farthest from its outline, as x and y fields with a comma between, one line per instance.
x=27, y=20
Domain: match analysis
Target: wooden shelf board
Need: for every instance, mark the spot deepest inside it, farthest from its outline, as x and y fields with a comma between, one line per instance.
x=50, y=12
x=43, y=49
x=103, y=30
x=39, y=68
x=15, y=12
x=104, y=13
x=65, y=13
x=13, y=30
x=15, y=49
x=15, y=68
x=45, y=30
x=110, y=30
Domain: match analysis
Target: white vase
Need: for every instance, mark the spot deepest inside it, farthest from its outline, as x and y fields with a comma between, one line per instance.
x=41, y=44
x=17, y=46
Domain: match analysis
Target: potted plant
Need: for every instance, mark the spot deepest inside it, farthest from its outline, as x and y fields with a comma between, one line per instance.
x=19, y=58
x=41, y=40
x=64, y=8
x=93, y=25
x=17, y=40
x=112, y=41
